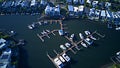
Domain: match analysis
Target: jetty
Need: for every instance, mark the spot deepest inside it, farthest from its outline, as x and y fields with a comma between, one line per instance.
x=46, y=34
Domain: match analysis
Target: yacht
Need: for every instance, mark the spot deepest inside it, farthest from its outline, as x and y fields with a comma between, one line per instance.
x=63, y=47
x=81, y=36
x=60, y=32
x=48, y=31
x=67, y=45
x=58, y=63
x=117, y=28
x=66, y=57
x=30, y=27
x=72, y=36
x=62, y=59
x=88, y=33
x=83, y=44
x=88, y=41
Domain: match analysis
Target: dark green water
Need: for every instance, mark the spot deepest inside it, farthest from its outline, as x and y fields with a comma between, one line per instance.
x=34, y=53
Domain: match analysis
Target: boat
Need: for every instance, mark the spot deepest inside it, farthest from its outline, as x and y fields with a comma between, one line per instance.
x=63, y=47
x=60, y=32
x=88, y=33
x=83, y=44
x=62, y=59
x=72, y=36
x=39, y=23
x=117, y=28
x=30, y=27
x=88, y=41
x=48, y=31
x=58, y=63
x=66, y=57
x=118, y=56
x=81, y=36
x=67, y=45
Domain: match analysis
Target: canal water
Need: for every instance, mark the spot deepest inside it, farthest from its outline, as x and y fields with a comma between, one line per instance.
x=33, y=55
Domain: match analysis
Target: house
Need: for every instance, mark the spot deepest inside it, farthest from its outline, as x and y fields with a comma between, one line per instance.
x=52, y=11
x=108, y=14
x=89, y=1
x=25, y=4
x=103, y=14
x=5, y=59
x=97, y=13
x=43, y=2
x=94, y=3
x=69, y=1
x=75, y=1
x=107, y=4
x=81, y=2
x=33, y=3
x=76, y=12
x=71, y=10
x=92, y=12
x=81, y=9
x=2, y=43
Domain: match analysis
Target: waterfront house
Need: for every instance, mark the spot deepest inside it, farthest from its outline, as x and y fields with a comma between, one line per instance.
x=43, y=2
x=94, y=3
x=108, y=14
x=25, y=3
x=75, y=1
x=92, y=12
x=69, y=1
x=5, y=59
x=33, y=3
x=107, y=4
x=71, y=10
x=52, y=11
x=81, y=9
x=2, y=43
x=97, y=13
x=76, y=12
x=103, y=14
x=89, y=1
x=81, y=2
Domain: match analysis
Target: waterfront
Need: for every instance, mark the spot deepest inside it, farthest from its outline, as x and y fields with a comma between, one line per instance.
x=35, y=51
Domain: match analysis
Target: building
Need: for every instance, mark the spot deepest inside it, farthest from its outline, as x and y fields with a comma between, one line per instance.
x=43, y=2
x=5, y=59
x=81, y=9
x=69, y=1
x=103, y=14
x=71, y=10
x=33, y=3
x=81, y=2
x=52, y=11
x=2, y=43
x=94, y=3
x=75, y=1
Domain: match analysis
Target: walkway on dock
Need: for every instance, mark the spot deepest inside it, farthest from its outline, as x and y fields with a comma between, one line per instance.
x=46, y=34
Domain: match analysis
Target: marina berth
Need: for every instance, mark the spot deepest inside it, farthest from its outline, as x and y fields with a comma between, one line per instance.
x=84, y=45
x=72, y=36
x=61, y=32
x=67, y=45
x=88, y=41
x=63, y=47
x=62, y=59
x=58, y=63
x=66, y=57
x=88, y=33
x=81, y=36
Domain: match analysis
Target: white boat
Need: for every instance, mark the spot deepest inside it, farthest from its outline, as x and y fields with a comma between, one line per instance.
x=62, y=59
x=72, y=36
x=88, y=33
x=63, y=47
x=81, y=36
x=48, y=31
x=39, y=23
x=118, y=28
x=83, y=44
x=67, y=45
x=60, y=32
x=30, y=27
x=58, y=63
x=88, y=41
x=66, y=57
